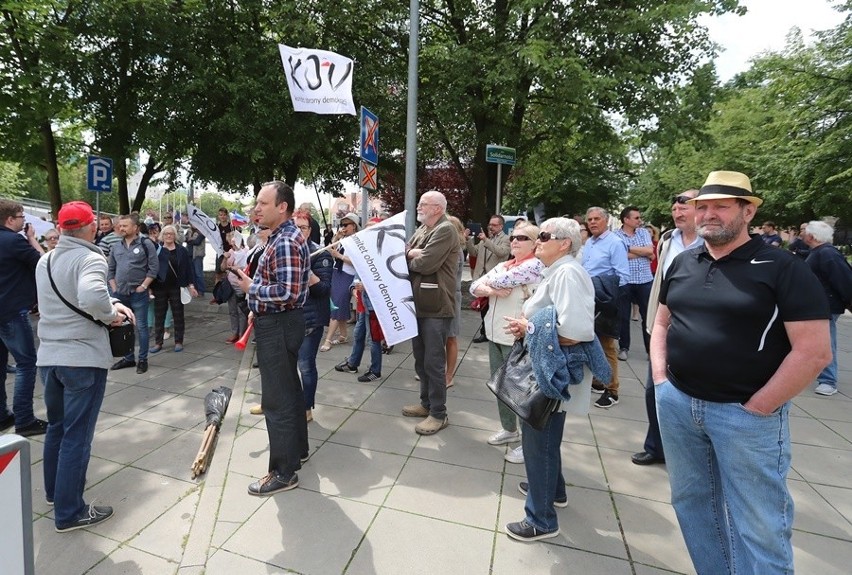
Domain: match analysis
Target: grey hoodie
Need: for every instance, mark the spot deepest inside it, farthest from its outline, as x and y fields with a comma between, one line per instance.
x=79, y=270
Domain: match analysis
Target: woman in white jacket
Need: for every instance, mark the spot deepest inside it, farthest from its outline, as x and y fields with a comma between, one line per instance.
x=508, y=285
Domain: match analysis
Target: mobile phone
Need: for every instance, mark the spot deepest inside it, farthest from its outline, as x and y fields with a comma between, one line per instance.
x=234, y=271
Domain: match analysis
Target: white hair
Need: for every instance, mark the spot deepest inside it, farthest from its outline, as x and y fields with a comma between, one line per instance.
x=821, y=231
x=566, y=229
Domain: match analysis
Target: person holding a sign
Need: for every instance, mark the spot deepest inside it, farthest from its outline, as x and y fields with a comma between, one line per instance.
x=432, y=256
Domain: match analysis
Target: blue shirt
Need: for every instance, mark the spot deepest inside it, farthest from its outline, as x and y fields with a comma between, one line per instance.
x=606, y=254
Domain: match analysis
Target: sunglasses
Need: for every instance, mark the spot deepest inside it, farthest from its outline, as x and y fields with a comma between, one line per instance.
x=681, y=199
x=520, y=238
x=547, y=236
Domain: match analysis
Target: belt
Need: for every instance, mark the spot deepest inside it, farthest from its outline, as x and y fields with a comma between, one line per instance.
x=284, y=310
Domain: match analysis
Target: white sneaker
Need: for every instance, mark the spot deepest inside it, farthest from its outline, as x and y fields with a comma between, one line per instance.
x=503, y=436
x=515, y=455
x=825, y=389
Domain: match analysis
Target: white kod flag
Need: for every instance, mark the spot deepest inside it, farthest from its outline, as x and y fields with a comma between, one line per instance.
x=207, y=227
x=319, y=81
x=378, y=255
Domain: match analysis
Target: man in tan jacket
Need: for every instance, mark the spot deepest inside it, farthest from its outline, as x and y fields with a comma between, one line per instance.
x=433, y=255
x=493, y=248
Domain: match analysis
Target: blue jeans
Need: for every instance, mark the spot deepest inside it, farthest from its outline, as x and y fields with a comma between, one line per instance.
x=308, y=365
x=543, y=464
x=73, y=396
x=278, y=338
x=17, y=335
x=198, y=274
x=638, y=294
x=359, y=341
x=728, y=473
x=829, y=373
x=138, y=302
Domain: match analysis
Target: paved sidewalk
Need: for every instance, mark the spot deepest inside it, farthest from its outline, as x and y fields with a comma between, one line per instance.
x=377, y=498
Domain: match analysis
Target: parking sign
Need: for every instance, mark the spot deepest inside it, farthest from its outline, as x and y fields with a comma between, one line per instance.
x=99, y=174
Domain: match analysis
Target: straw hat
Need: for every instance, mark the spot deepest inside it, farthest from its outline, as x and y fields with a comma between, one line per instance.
x=722, y=184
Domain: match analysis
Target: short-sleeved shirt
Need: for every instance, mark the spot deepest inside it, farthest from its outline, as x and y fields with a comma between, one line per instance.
x=727, y=335
x=640, y=267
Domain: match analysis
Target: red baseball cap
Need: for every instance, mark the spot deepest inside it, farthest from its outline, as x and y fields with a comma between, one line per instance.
x=75, y=215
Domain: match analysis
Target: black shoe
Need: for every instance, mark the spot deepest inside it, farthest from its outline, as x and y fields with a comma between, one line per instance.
x=598, y=387
x=122, y=363
x=523, y=531
x=92, y=516
x=345, y=367
x=7, y=421
x=142, y=367
x=37, y=427
x=607, y=400
x=645, y=458
x=523, y=486
x=480, y=338
x=370, y=376
x=273, y=483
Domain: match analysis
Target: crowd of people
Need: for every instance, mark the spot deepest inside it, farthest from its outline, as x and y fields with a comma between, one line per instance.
x=734, y=326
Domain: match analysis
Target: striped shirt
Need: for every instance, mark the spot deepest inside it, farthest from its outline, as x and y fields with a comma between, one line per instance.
x=281, y=280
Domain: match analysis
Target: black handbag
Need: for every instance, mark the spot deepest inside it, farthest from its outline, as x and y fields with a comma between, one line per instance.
x=514, y=384
x=122, y=338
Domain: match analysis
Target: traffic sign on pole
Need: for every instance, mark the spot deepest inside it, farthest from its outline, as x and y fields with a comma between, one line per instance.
x=99, y=174
x=499, y=155
x=368, y=176
x=369, y=136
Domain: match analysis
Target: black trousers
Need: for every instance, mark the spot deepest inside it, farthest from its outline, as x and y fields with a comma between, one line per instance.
x=278, y=338
x=163, y=298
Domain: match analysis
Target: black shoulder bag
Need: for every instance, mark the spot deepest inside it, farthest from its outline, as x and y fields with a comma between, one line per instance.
x=121, y=338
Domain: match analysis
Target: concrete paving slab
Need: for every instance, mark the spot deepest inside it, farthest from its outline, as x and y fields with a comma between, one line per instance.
x=73, y=552
x=512, y=557
x=421, y=545
x=378, y=432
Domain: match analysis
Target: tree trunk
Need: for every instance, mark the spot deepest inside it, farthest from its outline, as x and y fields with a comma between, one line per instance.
x=48, y=144
x=151, y=168
x=121, y=175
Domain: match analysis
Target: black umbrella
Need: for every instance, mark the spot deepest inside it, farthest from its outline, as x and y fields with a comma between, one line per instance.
x=215, y=407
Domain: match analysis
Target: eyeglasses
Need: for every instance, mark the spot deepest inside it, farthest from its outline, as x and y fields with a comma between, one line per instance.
x=681, y=199
x=519, y=239
x=51, y=238
x=22, y=216
x=547, y=236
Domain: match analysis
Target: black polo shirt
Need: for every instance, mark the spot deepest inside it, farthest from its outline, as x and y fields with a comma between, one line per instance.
x=727, y=335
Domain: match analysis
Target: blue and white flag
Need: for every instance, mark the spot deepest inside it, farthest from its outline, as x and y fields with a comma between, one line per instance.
x=207, y=227
x=319, y=81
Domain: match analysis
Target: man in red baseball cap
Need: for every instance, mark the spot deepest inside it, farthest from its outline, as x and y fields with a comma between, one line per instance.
x=74, y=357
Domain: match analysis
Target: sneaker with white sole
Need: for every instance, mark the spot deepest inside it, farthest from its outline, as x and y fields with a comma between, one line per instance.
x=515, y=455
x=92, y=516
x=523, y=487
x=607, y=400
x=346, y=367
x=825, y=389
x=369, y=376
x=523, y=531
x=502, y=437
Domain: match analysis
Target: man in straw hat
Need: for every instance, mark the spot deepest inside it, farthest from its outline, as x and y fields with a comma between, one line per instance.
x=741, y=329
x=74, y=356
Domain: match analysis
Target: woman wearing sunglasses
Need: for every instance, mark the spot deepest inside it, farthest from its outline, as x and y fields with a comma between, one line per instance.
x=559, y=313
x=507, y=286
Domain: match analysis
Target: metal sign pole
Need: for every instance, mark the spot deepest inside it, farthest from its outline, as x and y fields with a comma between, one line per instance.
x=499, y=180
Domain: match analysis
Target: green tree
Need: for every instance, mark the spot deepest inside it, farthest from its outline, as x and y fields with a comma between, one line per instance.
x=12, y=183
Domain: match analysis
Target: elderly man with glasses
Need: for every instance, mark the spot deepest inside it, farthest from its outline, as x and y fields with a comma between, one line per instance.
x=18, y=259
x=432, y=255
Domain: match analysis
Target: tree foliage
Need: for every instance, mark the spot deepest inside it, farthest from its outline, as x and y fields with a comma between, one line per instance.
x=786, y=122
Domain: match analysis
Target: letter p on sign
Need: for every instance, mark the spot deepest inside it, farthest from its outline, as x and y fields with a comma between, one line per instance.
x=99, y=174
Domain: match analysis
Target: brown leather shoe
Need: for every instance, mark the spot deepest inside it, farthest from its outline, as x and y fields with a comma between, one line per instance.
x=431, y=425
x=415, y=410
x=256, y=410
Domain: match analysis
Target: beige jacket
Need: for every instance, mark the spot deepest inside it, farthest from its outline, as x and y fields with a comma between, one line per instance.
x=489, y=252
